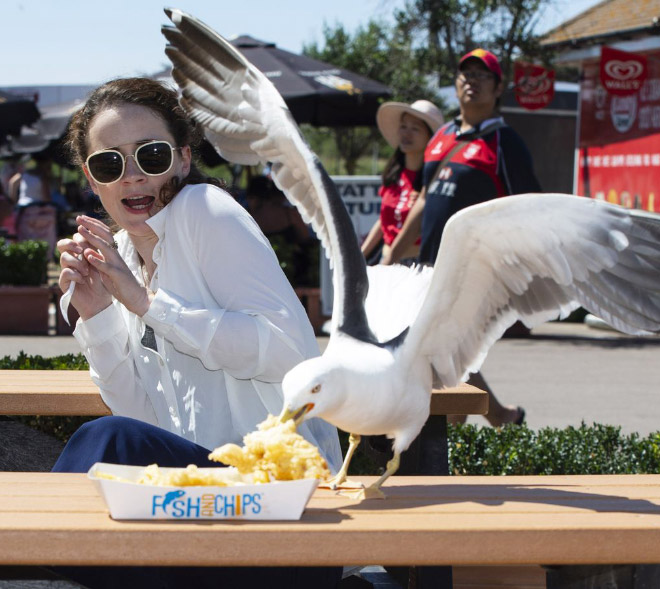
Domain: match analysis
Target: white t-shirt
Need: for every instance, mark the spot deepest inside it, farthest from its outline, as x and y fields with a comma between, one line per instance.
x=29, y=189
x=228, y=327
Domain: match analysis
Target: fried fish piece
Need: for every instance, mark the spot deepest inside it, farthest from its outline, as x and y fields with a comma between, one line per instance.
x=274, y=451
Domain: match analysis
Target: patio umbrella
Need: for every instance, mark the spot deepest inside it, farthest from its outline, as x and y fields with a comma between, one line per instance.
x=45, y=134
x=316, y=92
x=15, y=112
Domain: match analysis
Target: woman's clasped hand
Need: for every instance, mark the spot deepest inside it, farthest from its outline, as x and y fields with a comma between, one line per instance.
x=91, y=260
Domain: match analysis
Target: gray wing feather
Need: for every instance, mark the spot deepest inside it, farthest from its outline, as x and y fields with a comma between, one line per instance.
x=247, y=121
x=535, y=258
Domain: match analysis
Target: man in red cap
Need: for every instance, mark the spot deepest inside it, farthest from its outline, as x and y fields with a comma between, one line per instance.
x=472, y=159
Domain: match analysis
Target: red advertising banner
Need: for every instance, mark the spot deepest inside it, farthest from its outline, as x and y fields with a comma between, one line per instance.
x=626, y=173
x=534, y=85
x=621, y=73
x=607, y=118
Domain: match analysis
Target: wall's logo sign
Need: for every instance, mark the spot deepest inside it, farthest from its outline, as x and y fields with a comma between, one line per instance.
x=624, y=70
x=534, y=85
x=177, y=504
x=622, y=73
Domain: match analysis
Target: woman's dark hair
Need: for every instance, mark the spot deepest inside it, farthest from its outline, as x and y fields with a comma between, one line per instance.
x=397, y=163
x=162, y=101
x=395, y=166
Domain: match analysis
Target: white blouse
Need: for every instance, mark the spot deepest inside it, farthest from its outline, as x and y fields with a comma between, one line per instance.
x=228, y=327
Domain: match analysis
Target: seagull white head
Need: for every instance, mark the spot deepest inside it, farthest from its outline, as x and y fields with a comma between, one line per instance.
x=311, y=389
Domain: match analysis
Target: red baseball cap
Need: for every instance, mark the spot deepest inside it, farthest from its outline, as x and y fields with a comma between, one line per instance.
x=486, y=57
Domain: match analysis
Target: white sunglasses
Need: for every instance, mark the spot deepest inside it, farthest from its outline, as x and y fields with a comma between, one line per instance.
x=107, y=166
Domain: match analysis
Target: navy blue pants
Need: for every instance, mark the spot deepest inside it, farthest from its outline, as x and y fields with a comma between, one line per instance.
x=121, y=440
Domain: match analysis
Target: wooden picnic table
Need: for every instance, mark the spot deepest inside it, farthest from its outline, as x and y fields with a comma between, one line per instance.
x=59, y=519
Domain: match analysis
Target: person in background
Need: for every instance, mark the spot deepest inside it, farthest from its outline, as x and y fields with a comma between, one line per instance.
x=36, y=213
x=472, y=159
x=282, y=224
x=407, y=128
x=6, y=210
x=186, y=319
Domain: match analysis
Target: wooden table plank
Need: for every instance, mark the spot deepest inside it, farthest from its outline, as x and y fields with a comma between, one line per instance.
x=72, y=392
x=426, y=521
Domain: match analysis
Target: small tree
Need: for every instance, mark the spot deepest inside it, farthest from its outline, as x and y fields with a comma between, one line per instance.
x=380, y=53
x=450, y=28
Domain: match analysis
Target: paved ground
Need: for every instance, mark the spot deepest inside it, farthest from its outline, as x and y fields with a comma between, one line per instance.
x=562, y=374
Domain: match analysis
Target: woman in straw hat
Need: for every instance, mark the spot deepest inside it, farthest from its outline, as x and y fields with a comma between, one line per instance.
x=407, y=128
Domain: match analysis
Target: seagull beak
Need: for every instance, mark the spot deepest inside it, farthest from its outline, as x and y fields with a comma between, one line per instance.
x=297, y=416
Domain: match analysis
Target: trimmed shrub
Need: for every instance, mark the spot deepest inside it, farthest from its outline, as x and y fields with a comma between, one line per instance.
x=23, y=263
x=518, y=450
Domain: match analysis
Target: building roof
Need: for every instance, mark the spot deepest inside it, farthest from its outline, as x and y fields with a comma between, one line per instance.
x=608, y=19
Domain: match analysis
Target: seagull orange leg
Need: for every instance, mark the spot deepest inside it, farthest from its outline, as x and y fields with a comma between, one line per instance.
x=339, y=480
x=373, y=491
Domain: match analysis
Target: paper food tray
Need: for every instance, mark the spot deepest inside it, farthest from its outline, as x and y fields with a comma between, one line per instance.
x=279, y=500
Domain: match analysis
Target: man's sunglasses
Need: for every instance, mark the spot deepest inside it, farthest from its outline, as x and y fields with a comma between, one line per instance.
x=108, y=165
x=474, y=76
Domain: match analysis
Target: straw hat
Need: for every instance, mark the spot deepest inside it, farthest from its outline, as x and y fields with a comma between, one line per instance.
x=389, y=114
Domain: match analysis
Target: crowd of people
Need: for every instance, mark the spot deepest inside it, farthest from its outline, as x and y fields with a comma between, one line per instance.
x=35, y=202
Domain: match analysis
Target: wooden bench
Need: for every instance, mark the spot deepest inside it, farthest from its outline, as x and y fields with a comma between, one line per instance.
x=72, y=392
x=50, y=392
x=59, y=519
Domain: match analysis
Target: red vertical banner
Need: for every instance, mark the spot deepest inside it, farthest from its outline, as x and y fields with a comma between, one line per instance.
x=622, y=73
x=534, y=85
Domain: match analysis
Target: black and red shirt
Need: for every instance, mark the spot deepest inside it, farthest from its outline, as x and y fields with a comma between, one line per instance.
x=497, y=163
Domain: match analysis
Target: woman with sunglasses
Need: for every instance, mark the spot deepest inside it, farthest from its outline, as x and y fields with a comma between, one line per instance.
x=186, y=318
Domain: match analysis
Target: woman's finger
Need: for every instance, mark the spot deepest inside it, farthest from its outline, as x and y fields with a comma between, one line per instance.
x=75, y=261
x=81, y=241
x=67, y=276
x=69, y=246
x=95, y=226
x=97, y=241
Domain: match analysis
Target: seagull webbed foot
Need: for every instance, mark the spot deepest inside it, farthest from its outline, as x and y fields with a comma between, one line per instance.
x=374, y=491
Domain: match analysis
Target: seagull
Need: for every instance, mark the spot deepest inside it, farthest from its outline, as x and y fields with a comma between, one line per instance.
x=397, y=332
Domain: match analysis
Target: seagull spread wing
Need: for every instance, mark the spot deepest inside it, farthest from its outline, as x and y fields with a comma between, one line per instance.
x=247, y=121
x=534, y=258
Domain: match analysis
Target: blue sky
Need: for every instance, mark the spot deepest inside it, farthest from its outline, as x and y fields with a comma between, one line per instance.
x=87, y=42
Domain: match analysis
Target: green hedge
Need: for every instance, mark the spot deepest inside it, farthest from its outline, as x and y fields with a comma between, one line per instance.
x=473, y=450
x=518, y=450
x=23, y=263
x=25, y=362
